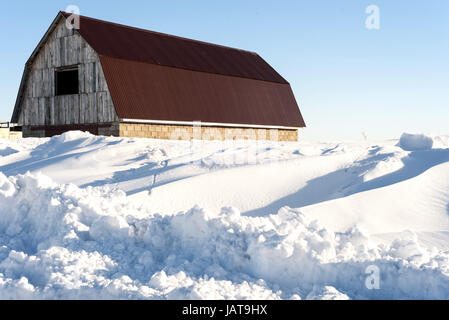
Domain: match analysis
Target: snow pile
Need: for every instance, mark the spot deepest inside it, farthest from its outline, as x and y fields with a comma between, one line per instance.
x=414, y=142
x=72, y=136
x=326, y=293
x=65, y=242
x=441, y=142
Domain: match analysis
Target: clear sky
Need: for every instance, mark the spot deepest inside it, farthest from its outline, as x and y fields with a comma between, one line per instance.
x=347, y=79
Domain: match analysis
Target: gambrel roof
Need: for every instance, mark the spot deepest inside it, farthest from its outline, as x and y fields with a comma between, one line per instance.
x=155, y=76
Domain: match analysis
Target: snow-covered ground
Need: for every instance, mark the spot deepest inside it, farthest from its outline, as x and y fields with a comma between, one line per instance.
x=86, y=217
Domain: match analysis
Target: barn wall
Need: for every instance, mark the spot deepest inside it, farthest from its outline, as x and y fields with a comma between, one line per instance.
x=6, y=133
x=41, y=107
x=183, y=132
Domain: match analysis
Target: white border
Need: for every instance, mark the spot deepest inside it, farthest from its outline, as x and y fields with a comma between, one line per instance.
x=211, y=124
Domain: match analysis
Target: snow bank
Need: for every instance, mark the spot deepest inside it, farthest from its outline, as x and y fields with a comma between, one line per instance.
x=441, y=142
x=414, y=142
x=326, y=293
x=64, y=242
x=72, y=135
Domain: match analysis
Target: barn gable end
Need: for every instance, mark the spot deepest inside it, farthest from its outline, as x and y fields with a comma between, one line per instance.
x=38, y=106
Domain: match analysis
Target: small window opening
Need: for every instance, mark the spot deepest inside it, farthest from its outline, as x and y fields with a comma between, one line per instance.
x=66, y=81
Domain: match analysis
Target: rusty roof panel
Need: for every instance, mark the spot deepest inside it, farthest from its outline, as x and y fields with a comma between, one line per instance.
x=119, y=41
x=154, y=92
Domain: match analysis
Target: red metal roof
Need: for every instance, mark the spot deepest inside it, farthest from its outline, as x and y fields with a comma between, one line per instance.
x=154, y=76
x=147, y=91
x=124, y=42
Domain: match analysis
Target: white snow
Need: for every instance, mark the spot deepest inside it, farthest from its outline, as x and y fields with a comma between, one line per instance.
x=326, y=293
x=413, y=142
x=86, y=217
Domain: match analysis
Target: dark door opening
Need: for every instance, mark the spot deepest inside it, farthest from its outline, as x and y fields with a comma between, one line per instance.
x=66, y=81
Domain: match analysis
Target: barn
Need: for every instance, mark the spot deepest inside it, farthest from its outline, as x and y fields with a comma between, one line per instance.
x=111, y=79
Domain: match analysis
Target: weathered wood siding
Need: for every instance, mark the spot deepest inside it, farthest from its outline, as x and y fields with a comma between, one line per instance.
x=93, y=104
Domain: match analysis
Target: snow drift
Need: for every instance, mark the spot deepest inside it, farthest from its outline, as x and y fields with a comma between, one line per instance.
x=419, y=142
x=412, y=142
x=87, y=217
x=60, y=241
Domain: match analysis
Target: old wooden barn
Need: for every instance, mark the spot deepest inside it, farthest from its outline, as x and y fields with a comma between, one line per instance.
x=111, y=79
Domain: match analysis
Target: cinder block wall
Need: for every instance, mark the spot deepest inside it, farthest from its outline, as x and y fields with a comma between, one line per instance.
x=179, y=132
x=5, y=133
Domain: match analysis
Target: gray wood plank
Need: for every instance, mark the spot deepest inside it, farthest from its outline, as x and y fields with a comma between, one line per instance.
x=93, y=104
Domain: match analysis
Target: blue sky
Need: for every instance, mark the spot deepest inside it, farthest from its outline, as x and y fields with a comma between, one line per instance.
x=347, y=79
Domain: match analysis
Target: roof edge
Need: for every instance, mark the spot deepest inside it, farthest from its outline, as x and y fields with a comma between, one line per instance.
x=209, y=124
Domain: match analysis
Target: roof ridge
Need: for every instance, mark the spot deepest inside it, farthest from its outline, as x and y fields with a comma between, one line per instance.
x=162, y=33
x=162, y=49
